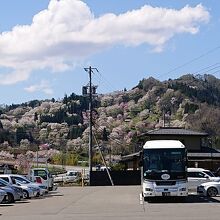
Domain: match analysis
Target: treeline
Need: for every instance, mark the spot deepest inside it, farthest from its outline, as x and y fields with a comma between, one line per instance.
x=208, y=94
x=204, y=89
x=64, y=158
x=121, y=116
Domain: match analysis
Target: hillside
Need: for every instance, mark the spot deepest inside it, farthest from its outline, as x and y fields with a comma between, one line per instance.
x=118, y=118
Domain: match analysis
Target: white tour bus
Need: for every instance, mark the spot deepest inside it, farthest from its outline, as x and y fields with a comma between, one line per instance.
x=164, y=169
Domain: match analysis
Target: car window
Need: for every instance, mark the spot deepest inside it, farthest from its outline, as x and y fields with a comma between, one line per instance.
x=41, y=173
x=200, y=175
x=13, y=180
x=2, y=184
x=196, y=174
x=192, y=174
x=21, y=180
x=5, y=178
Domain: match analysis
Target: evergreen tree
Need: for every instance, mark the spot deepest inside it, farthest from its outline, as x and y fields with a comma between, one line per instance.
x=1, y=125
x=35, y=116
x=105, y=135
x=21, y=134
x=65, y=99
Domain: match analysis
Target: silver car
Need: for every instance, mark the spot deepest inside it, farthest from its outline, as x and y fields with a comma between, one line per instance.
x=14, y=193
x=28, y=192
x=3, y=194
x=198, y=176
x=210, y=189
x=39, y=189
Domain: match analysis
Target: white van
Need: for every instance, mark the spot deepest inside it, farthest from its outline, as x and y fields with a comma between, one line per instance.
x=197, y=176
x=42, y=176
x=103, y=168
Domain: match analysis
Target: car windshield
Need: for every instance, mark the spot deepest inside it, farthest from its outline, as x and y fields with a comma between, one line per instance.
x=209, y=173
x=72, y=174
x=41, y=173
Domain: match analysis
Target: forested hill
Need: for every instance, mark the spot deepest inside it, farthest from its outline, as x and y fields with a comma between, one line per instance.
x=118, y=118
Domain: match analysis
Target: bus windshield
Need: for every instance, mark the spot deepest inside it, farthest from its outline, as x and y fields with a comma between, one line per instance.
x=164, y=160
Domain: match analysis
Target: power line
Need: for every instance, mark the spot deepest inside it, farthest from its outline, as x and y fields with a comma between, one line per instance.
x=216, y=72
x=208, y=68
x=106, y=82
x=209, y=71
x=192, y=60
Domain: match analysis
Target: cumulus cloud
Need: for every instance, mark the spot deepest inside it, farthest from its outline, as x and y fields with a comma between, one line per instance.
x=42, y=87
x=67, y=32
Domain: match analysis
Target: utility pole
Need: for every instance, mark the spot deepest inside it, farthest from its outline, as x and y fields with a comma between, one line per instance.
x=164, y=118
x=37, y=156
x=91, y=92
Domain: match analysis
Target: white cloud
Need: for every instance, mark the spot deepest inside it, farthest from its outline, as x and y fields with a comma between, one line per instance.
x=67, y=32
x=42, y=87
x=14, y=77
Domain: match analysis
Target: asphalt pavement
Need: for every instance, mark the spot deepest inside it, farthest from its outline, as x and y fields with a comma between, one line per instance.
x=105, y=203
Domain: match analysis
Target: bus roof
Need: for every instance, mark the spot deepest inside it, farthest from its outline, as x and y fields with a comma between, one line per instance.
x=160, y=144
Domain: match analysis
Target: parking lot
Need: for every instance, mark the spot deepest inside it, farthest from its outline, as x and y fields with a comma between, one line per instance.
x=98, y=203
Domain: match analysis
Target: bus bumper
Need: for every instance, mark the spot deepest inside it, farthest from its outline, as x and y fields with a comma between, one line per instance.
x=151, y=190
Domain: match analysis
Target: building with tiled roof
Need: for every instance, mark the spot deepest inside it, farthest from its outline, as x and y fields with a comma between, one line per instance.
x=199, y=147
x=193, y=140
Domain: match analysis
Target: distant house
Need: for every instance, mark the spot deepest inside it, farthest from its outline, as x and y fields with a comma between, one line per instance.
x=200, y=151
x=7, y=169
x=193, y=140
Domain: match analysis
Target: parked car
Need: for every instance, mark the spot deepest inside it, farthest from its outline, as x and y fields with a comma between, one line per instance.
x=45, y=179
x=210, y=189
x=27, y=185
x=197, y=176
x=28, y=192
x=14, y=193
x=103, y=168
x=69, y=177
x=3, y=194
x=99, y=167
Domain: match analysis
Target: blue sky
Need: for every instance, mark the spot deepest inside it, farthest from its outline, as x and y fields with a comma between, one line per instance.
x=45, y=44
